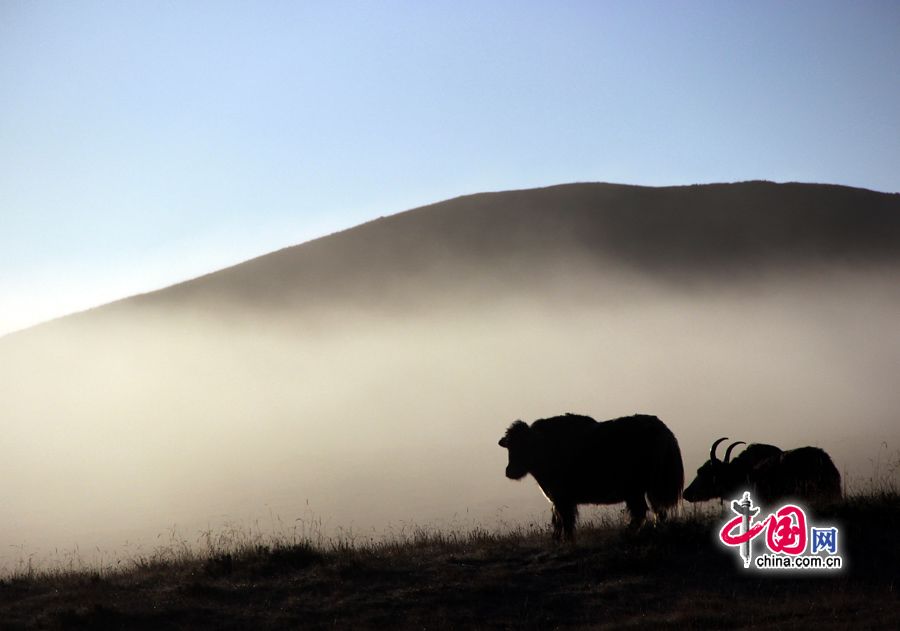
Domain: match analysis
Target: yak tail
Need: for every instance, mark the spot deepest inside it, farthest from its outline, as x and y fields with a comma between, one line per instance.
x=667, y=476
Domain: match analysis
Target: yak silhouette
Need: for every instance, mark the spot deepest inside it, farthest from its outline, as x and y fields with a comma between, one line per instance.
x=805, y=473
x=577, y=460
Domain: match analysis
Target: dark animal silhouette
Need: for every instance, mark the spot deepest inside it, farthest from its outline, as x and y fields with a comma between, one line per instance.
x=577, y=460
x=725, y=478
x=806, y=473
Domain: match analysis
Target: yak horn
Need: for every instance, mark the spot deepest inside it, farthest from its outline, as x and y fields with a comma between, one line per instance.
x=730, y=447
x=712, y=450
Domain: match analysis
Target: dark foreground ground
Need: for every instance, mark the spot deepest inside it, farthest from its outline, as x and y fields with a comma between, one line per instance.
x=672, y=576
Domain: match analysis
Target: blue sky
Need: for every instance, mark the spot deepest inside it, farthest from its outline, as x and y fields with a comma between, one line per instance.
x=144, y=143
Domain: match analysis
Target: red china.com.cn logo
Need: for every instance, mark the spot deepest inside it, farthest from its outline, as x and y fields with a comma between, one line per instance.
x=791, y=543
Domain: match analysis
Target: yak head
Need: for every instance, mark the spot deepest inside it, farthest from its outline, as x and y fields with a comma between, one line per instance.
x=713, y=478
x=519, y=442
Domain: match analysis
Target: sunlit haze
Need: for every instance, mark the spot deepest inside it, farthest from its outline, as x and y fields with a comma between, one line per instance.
x=306, y=262
x=360, y=382
x=143, y=144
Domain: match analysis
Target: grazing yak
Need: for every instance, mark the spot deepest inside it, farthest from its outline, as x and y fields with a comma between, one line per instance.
x=806, y=473
x=576, y=460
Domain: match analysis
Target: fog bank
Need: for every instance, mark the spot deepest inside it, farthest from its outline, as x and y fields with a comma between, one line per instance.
x=118, y=429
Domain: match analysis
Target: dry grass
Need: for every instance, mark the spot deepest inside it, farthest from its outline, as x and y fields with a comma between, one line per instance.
x=674, y=575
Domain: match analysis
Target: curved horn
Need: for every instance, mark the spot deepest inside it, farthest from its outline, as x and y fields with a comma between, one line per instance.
x=712, y=450
x=730, y=447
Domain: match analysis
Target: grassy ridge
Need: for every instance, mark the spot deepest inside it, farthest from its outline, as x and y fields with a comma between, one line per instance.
x=675, y=575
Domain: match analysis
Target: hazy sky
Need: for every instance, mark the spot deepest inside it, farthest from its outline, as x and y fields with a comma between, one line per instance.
x=142, y=143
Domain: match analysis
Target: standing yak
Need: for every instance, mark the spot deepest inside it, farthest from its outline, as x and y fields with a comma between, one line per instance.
x=727, y=478
x=806, y=473
x=577, y=460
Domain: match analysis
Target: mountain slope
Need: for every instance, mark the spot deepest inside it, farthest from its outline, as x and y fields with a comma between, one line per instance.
x=532, y=239
x=364, y=374
x=674, y=232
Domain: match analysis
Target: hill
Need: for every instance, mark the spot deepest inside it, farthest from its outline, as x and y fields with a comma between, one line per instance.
x=527, y=240
x=672, y=577
x=367, y=376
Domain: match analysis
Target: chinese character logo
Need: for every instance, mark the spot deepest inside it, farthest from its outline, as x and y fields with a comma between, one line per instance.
x=824, y=539
x=787, y=530
x=746, y=513
x=787, y=537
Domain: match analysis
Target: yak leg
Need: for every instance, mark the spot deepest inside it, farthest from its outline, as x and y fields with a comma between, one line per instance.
x=556, y=522
x=563, y=521
x=662, y=512
x=637, y=507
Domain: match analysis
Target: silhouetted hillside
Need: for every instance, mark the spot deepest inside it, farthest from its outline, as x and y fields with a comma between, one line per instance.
x=369, y=374
x=674, y=577
x=515, y=239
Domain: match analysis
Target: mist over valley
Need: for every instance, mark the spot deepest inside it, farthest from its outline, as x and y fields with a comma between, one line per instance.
x=359, y=382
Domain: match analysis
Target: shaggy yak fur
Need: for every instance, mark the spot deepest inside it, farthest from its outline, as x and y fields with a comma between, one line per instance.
x=769, y=473
x=577, y=460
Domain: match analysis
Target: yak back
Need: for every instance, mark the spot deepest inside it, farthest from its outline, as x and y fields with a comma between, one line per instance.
x=751, y=457
x=563, y=432
x=805, y=473
x=606, y=461
x=573, y=433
